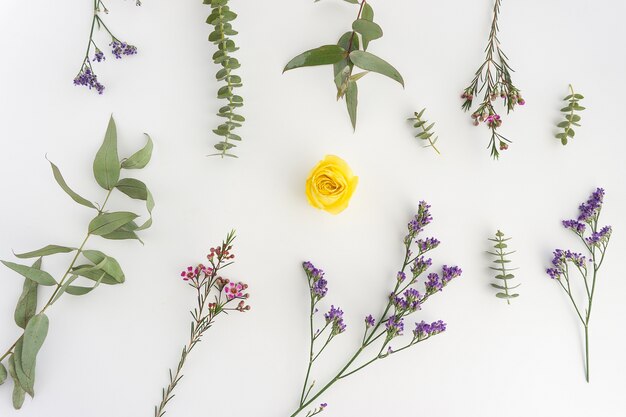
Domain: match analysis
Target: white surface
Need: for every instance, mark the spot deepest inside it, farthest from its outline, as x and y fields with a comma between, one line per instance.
x=107, y=354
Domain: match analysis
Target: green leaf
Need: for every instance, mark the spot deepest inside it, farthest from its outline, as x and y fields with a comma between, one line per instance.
x=45, y=251
x=500, y=287
x=61, y=181
x=339, y=69
x=106, y=165
x=34, y=274
x=324, y=55
x=18, y=393
x=369, y=31
x=563, y=124
x=133, y=188
x=352, y=101
x=368, y=12
x=150, y=207
x=27, y=303
x=108, y=222
x=61, y=291
x=34, y=336
x=125, y=232
x=371, y=62
x=94, y=273
x=349, y=1
x=3, y=374
x=105, y=263
x=140, y=159
x=506, y=296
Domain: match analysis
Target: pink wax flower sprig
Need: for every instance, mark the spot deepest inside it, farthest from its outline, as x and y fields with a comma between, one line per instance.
x=493, y=79
x=379, y=333
x=215, y=296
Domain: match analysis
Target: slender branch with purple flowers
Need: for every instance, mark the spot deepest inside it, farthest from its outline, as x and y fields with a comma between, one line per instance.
x=493, y=79
x=379, y=332
x=214, y=296
x=567, y=264
x=87, y=76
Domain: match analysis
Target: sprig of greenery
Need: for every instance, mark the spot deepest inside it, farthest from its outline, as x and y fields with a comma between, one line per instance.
x=350, y=51
x=504, y=273
x=96, y=266
x=424, y=130
x=571, y=118
x=494, y=78
x=220, y=18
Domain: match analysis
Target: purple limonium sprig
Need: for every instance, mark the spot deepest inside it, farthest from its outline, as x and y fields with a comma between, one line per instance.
x=86, y=75
x=405, y=299
x=566, y=264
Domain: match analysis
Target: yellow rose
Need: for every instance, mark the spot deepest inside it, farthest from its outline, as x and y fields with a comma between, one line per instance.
x=330, y=185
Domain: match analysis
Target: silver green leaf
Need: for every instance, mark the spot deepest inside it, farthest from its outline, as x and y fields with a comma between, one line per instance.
x=61, y=181
x=18, y=393
x=40, y=277
x=368, y=30
x=3, y=374
x=371, y=62
x=352, y=101
x=324, y=55
x=45, y=251
x=106, y=165
x=27, y=303
x=106, y=263
x=108, y=222
x=133, y=188
x=34, y=336
x=139, y=159
x=149, y=207
x=367, y=13
x=25, y=381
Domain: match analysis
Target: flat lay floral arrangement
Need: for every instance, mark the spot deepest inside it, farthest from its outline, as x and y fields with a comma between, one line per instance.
x=332, y=186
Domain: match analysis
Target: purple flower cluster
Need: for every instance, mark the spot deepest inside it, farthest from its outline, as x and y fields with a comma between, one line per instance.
x=421, y=219
x=449, y=273
x=335, y=318
x=427, y=244
x=600, y=237
x=122, y=48
x=420, y=265
x=591, y=208
x=99, y=56
x=395, y=326
x=560, y=260
x=87, y=78
x=316, y=280
x=433, y=284
x=401, y=276
x=423, y=329
x=409, y=301
x=370, y=321
x=575, y=226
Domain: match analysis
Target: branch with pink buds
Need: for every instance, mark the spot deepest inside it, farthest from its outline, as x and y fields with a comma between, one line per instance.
x=215, y=295
x=493, y=79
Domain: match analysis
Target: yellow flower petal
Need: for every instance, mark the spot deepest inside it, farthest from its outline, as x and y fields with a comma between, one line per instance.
x=330, y=185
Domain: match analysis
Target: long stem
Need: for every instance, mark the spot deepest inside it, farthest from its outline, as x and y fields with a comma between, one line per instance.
x=587, y=353
x=312, y=340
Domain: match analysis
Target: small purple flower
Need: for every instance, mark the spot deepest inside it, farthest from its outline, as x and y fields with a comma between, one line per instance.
x=401, y=276
x=316, y=278
x=575, y=226
x=427, y=244
x=335, y=317
x=449, y=273
x=433, y=284
x=323, y=405
x=420, y=265
x=370, y=321
x=395, y=326
x=554, y=273
x=122, y=48
x=87, y=78
x=591, y=208
x=99, y=56
x=421, y=219
x=423, y=329
x=600, y=237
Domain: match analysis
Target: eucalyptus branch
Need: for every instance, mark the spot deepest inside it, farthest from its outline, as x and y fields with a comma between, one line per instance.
x=504, y=272
x=208, y=283
x=99, y=267
x=571, y=118
x=424, y=130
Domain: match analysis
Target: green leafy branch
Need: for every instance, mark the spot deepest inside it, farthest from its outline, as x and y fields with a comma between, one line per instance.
x=504, y=273
x=424, y=130
x=96, y=266
x=571, y=118
x=350, y=51
x=220, y=18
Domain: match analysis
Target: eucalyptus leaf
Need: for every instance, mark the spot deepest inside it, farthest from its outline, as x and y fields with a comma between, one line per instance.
x=61, y=181
x=111, y=267
x=324, y=55
x=368, y=30
x=371, y=62
x=95, y=274
x=133, y=188
x=150, y=205
x=108, y=222
x=37, y=275
x=140, y=159
x=34, y=336
x=106, y=166
x=367, y=13
x=3, y=374
x=45, y=251
x=25, y=381
x=61, y=290
x=27, y=303
x=18, y=393
x=352, y=101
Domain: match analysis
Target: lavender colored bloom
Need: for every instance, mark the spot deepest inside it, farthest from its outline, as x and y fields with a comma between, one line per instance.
x=420, y=265
x=316, y=280
x=421, y=219
x=410, y=301
x=319, y=287
x=433, y=284
x=449, y=273
x=591, y=208
x=99, y=56
x=370, y=321
x=554, y=273
x=600, y=237
x=335, y=317
x=87, y=78
x=427, y=244
x=401, y=276
x=395, y=326
x=575, y=226
x=122, y=48
x=423, y=329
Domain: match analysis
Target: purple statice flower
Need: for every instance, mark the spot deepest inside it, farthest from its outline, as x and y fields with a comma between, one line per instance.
x=591, y=208
x=420, y=265
x=421, y=219
x=317, y=281
x=600, y=237
x=423, y=329
x=401, y=276
x=370, y=321
x=433, y=284
x=122, y=48
x=575, y=226
x=99, y=56
x=87, y=78
x=449, y=273
x=560, y=259
x=395, y=326
x=408, y=302
x=335, y=318
x=427, y=244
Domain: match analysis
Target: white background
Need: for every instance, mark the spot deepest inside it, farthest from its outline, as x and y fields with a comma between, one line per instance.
x=107, y=353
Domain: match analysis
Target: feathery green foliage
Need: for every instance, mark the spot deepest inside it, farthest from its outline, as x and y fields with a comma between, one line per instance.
x=424, y=130
x=504, y=272
x=571, y=118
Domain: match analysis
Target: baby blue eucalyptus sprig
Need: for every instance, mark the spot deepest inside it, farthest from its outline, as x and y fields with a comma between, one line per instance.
x=567, y=264
x=350, y=51
x=571, y=118
x=88, y=264
x=379, y=332
x=220, y=18
x=424, y=130
x=87, y=76
x=493, y=79
x=503, y=271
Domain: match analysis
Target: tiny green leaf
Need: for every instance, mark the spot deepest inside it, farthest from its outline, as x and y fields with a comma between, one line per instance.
x=324, y=55
x=35, y=274
x=108, y=222
x=106, y=165
x=371, y=62
x=61, y=181
x=140, y=158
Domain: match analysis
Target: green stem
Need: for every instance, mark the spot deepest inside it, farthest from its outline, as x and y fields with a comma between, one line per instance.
x=587, y=353
x=312, y=340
